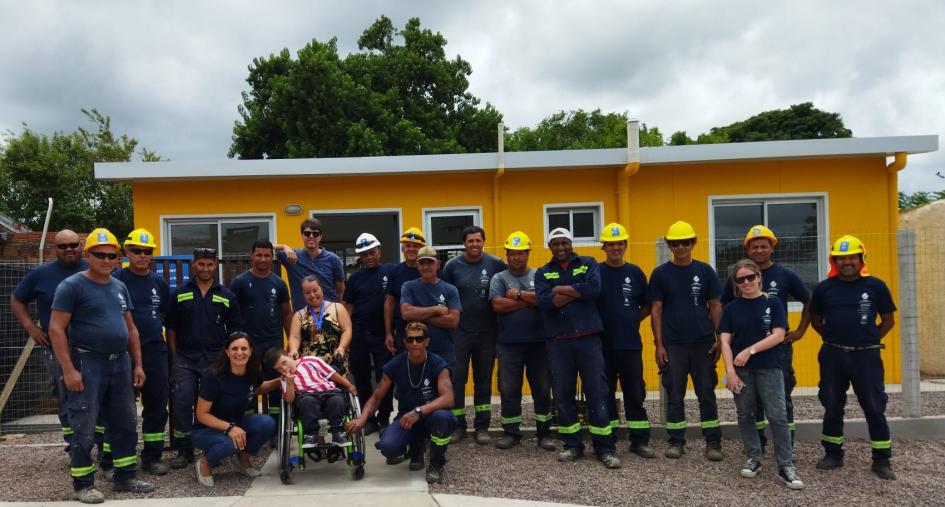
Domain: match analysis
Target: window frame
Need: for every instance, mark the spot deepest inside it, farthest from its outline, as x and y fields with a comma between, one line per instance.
x=355, y=211
x=819, y=199
x=216, y=218
x=597, y=207
x=448, y=211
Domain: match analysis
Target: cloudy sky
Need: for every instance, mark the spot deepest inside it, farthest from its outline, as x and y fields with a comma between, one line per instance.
x=170, y=73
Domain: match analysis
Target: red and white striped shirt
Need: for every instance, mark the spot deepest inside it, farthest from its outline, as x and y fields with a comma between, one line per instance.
x=312, y=376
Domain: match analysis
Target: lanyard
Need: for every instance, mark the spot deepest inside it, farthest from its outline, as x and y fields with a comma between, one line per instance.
x=321, y=316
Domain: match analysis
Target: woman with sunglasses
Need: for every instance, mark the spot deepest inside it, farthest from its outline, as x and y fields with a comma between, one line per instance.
x=320, y=328
x=752, y=326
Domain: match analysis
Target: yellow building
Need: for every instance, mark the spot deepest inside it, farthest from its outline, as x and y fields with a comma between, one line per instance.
x=808, y=192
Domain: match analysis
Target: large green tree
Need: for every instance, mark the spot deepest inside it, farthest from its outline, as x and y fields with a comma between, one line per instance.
x=400, y=94
x=800, y=121
x=35, y=166
x=579, y=129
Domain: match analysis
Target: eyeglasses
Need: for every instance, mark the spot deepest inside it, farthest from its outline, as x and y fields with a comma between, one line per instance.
x=414, y=339
x=67, y=246
x=747, y=278
x=680, y=243
x=141, y=251
x=102, y=255
x=311, y=234
x=205, y=253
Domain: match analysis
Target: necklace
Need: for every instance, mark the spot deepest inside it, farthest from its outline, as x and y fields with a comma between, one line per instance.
x=419, y=380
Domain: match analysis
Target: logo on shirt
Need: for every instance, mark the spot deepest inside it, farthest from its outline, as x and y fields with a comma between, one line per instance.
x=122, y=303
x=695, y=290
x=155, y=303
x=766, y=321
x=484, y=285
x=384, y=283
x=626, y=290
x=865, y=309
x=441, y=300
x=773, y=288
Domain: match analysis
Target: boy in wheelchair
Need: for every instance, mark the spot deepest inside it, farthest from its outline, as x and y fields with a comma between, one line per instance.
x=312, y=386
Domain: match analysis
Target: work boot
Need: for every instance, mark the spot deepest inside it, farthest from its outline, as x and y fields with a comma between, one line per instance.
x=156, y=467
x=483, y=438
x=610, y=460
x=642, y=450
x=108, y=474
x=416, y=462
x=459, y=433
x=569, y=454
x=396, y=460
x=89, y=495
x=547, y=443
x=133, y=485
x=506, y=441
x=883, y=469
x=182, y=459
x=830, y=462
x=674, y=451
x=434, y=474
x=713, y=451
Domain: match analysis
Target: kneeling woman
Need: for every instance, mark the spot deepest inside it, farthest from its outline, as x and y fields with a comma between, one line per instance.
x=752, y=326
x=421, y=383
x=223, y=428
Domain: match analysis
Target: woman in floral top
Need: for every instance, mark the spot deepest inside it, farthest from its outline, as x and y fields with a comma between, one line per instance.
x=321, y=328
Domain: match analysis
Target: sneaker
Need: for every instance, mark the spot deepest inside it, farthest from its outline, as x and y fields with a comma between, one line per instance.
x=713, y=451
x=547, y=443
x=674, y=451
x=206, y=480
x=339, y=439
x=506, y=441
x=883, y=470
x=416, y=462
x=830, y=462
x=434, y=474
x=308, y=441
x=89, y=495
x=483, y=438
x=182, y=459
x=108, y=474
x=569, y=454
x=642, y=450
x=156, y=467
x=609, y=460
x=751, y=468
x=133, y=485
x=790, y=478
x=370, y=427
x=459, y=433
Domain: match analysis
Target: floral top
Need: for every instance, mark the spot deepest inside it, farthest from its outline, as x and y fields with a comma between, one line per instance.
x=323, y=340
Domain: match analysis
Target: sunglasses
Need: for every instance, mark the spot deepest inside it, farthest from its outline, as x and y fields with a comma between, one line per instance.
x=412, y=236
x=681, y=243
x=102, y=255
x=67, y=246
x=141, y=251
x=311, y=234
x=414, y=339
x=747, y=278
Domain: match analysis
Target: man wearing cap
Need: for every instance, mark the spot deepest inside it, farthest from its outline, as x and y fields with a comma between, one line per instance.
x=202, y=314
x=39, y=285
x=364, y=299
x=474, y=339
x=97, y=345
x=843, y=311
x=520, y=345
x=434, y=302
x=567, y=288
x=150, y=299
x=684, y=314
x=312, y=260
x=264, y=307
x=411, y=241
x=782, y=282
x=623, y=304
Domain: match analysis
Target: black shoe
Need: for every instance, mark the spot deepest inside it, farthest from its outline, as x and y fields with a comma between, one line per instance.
x=642, y=450
x=459, y=433
x=883, y=470
x=830, y=462
x=370, y=427
x=416, y=462
x=133, y=485
x=396, y=460
x=506, y=442
x=155, y=467
x=435, y=474
x=790, y=478
x=751, y=468
x=183, y=459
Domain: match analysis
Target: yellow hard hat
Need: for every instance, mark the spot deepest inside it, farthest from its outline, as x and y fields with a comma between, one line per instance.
x=613, y=232
x=101, y=236
x=413, y=235
x=847, y=245
x=760, y=231
x=518, y=240
x=680, y=230
x=140, y=237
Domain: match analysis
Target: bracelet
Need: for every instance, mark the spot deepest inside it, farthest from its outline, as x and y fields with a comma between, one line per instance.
x=228, y=428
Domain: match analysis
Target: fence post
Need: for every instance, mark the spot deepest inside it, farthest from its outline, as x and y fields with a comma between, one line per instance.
x=908, y=326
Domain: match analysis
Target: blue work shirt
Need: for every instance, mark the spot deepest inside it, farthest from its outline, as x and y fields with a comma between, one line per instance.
x=522, y=325
x=622, y=295
x=850, y=309
x=750, y=321
x=418, y=293
x=97, y=321
x=151, y=298
x=472, y=279
x=326, y=266
x=366, y=290
x=201, y=323
x=579, y=317
x=777, y=281
x=399, y=275
x=40, y=284
x=261, y=301
x=230, y=395
x=685, y=292
x=406, y=375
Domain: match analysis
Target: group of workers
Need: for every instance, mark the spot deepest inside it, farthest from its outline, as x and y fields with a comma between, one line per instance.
x=411, y=330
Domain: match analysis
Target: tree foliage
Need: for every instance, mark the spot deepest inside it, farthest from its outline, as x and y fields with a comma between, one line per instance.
x=34, y=166
x=800, y=121
x=577, y=130
x=919, y=198
x=399, y=94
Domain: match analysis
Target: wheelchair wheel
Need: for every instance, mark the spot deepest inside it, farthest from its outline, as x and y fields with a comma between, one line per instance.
x=357, y=473
x=285, y=442
x=355, y=454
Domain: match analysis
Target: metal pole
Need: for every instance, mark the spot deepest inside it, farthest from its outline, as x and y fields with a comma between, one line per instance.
x=42, y=239
x=908, y=326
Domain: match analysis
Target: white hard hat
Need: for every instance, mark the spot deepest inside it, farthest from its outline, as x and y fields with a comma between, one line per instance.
x=560, y=232
x=365, y=242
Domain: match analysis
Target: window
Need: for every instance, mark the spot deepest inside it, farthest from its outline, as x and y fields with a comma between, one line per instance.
x=232, y=237
x=342, y=227
x=444, y=226
x=798, y=222
x=582, y=219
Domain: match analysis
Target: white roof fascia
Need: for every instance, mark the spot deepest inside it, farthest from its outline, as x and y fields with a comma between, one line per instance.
x=471, y=162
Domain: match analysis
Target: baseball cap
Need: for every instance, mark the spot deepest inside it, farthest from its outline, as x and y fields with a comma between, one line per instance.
x=427, y=252
x=560, y=232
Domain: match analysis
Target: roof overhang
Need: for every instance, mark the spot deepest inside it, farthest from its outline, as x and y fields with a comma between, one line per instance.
x=528, y=160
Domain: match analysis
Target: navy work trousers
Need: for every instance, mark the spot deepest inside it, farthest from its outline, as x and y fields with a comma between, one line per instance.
x=685, y=360
x=582, y=355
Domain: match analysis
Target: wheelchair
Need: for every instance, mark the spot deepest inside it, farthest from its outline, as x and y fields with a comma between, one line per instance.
x=292, y=455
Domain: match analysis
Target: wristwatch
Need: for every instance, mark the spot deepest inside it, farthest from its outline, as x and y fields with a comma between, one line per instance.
x=752, y=351
x=419, y=411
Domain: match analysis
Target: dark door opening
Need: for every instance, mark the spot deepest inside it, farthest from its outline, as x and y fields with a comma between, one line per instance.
x=341, y=230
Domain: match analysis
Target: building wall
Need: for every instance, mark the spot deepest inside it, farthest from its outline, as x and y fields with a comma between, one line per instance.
x=856, y=191
x=928, y=222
